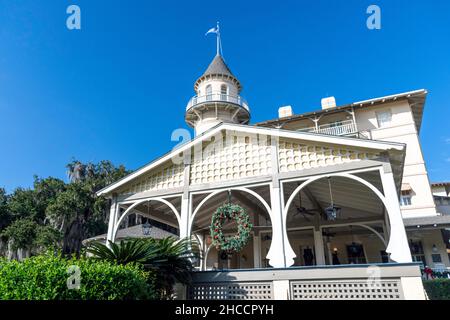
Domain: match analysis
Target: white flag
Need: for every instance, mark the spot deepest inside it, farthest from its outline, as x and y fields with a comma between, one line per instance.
x=212, y=30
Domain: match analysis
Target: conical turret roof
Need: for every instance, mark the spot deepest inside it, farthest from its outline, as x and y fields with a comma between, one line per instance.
x=218, y=67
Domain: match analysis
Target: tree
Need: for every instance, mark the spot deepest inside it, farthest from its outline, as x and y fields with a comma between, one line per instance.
x=77, y=212
x=22, y=204
x=5, y=217
x=45, y=192
x=55, y=213
x=25, y=225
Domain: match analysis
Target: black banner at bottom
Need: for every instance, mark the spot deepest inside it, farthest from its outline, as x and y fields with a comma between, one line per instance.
x=224, y=309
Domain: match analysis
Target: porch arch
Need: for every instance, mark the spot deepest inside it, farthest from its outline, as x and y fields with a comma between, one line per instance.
x=137, y=203
x=374, y=189
x=212, y=194
x=371, y=229
x=198, y=211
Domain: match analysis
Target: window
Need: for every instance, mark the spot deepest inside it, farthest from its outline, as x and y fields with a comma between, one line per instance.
x=405, y=198
x=417, y=252
x=335, y=124
x=436, y=257
x=208, y=92
x=384, y=119
x=223, y=92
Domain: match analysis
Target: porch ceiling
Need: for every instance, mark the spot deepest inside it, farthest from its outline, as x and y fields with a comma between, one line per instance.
x=355, y=199
x=157, y=211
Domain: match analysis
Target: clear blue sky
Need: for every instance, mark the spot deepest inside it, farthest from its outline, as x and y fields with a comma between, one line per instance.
x=117, y=88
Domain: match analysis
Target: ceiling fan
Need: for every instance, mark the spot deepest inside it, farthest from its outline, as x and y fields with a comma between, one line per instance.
x=327, y=233
x=302, y=210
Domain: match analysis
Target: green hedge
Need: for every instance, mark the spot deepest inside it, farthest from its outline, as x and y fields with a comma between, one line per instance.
x=45, y=278
x=437, y=289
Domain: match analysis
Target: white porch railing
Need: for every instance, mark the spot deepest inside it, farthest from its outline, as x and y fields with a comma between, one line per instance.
x=343, y=128
x=217, y=97
x=394, y=281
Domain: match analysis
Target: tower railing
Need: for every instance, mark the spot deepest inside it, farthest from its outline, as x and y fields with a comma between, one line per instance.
x=217, y=97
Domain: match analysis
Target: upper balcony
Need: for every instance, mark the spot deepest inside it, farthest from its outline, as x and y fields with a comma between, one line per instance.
x=338, y=128
x=219, y=98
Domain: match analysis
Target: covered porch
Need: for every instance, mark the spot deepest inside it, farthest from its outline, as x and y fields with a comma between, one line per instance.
x=292, y=224
x=313, y=200
x=358, y=234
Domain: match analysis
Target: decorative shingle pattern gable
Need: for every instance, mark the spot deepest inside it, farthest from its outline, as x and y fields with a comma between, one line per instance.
x=236, y=157
x=167, y=177
x=294, y=156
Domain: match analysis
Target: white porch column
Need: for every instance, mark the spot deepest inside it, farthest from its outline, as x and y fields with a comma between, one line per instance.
x=318, y=247
x=184, y=216
x=398, y=247
x=280, y=253
x=329, y=254
x=185, y=199
x=113, y=211
x=257, y=251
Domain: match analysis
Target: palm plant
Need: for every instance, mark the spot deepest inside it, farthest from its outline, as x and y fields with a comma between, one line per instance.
x=169, y=259
x=127, y=251
x=173, y=262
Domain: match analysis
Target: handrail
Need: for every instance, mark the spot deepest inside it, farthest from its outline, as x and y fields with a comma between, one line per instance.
x=217, y=97
x=346, y=127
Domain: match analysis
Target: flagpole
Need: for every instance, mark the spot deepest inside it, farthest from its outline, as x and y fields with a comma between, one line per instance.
x=218, y=39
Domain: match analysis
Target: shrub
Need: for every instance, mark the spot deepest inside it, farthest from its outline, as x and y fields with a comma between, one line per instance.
x=45, y=277
x=169, y=259
x=437, y=289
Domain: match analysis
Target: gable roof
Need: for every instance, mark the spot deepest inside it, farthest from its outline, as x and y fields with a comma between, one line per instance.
x=416, y=99
x=133, y=232
x=313, y=137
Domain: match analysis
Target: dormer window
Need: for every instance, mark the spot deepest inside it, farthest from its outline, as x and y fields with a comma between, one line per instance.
x=405, y=198
x=384, y=119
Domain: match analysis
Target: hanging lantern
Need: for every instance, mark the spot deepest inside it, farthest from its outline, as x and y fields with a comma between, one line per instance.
x=147, y=227
x=333, y=211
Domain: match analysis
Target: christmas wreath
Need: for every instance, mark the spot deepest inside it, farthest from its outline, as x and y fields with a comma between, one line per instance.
x=225, y=213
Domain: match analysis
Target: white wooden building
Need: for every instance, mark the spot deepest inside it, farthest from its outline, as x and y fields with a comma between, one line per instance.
x=286, y=173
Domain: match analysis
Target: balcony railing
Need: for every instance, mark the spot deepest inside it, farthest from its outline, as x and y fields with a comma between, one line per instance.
x=217, y=97
x=340, y=128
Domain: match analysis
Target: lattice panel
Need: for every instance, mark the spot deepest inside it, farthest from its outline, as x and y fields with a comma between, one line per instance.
x=238, y=157
x=231, y=291
x=167, y=177
x=295, y=156
x=346, y=290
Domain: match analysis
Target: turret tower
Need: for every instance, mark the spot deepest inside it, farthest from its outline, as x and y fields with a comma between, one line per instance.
x=218, y=97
